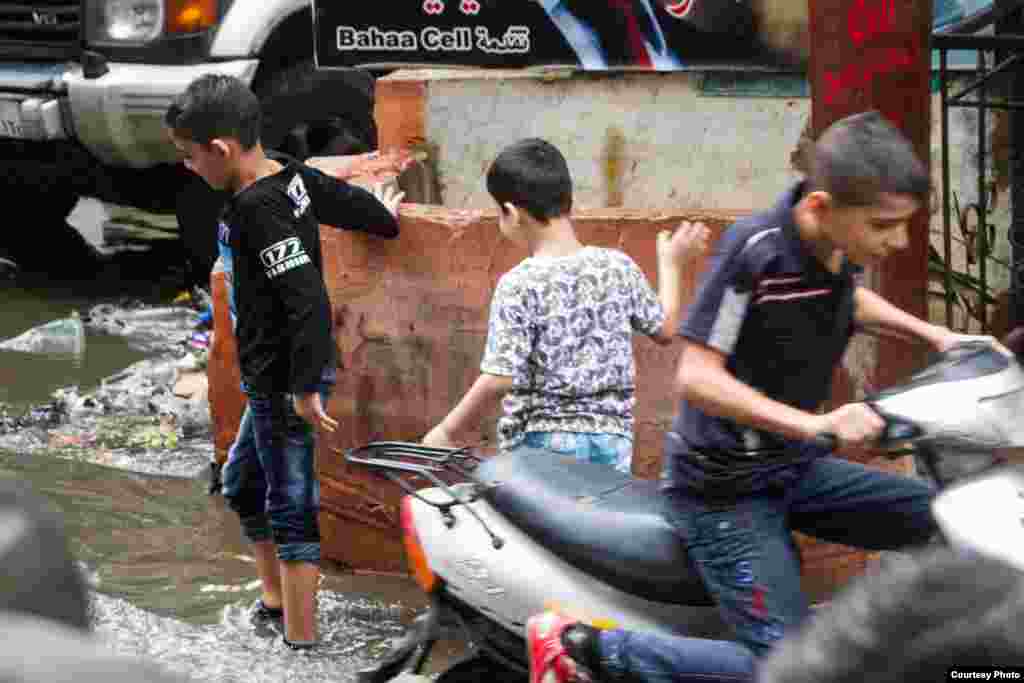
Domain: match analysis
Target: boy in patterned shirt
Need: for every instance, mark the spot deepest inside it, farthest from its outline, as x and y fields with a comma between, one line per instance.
x=559, y=340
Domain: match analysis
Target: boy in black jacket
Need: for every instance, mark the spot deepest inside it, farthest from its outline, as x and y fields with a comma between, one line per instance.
x=283, y=327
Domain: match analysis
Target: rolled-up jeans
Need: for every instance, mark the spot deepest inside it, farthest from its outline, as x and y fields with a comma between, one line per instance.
x=270, y=477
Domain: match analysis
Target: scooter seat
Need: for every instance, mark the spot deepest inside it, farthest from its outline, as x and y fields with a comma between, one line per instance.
x=600, y=521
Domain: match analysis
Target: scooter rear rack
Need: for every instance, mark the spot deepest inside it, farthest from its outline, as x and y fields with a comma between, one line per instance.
x=402, y=463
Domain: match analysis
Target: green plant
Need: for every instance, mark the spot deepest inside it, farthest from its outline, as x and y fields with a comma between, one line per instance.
x=967, y=290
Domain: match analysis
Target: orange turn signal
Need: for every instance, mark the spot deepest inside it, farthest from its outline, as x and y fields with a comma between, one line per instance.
x=414, y=553
x=190, y=16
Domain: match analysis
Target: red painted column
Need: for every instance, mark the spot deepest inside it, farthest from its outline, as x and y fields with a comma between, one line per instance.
x=875, y=54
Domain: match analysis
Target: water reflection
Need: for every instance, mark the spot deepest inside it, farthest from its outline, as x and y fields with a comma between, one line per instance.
x=28, y=378
x=172, y=574
x=175, y=581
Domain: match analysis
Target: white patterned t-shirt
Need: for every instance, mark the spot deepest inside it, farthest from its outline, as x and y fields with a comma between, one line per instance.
x=562, y=329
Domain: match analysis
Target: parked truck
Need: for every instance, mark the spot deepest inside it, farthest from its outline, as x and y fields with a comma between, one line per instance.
x=84, y=85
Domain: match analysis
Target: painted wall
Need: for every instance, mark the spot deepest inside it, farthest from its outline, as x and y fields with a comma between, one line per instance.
x=673, y=141
x=644, y=141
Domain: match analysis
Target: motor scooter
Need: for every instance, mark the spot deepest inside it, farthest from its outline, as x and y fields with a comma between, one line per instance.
x=514, y=534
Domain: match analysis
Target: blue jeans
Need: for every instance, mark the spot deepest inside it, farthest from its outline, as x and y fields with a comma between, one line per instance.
x=603, y=449
x=654, y=658
x=746, y=554
x=270, y=477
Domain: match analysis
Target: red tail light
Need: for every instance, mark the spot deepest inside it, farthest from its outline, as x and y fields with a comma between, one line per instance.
x=414, y=553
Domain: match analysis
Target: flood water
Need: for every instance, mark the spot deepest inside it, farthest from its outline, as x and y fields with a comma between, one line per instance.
x=173, y=577
x=27, y=378
x=174, y=580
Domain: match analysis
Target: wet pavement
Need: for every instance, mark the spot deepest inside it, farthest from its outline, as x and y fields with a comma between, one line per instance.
x=174, y=580
x=100, y=435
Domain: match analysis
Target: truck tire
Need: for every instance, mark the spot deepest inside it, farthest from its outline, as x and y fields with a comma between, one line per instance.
x=307, y=112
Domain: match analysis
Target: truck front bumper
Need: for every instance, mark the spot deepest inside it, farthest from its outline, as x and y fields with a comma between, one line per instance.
x=118, y=116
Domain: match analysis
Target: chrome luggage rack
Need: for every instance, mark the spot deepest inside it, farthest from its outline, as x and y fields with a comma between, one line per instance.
x=403, y=463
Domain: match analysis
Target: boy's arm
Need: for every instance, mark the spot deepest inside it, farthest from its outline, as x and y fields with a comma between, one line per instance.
x=876, y=316
x=706, y=383
x=481, y=397
x=506, y=356
x=712, y=330
x=343, y=205
x=675, y=253
x=270, y=238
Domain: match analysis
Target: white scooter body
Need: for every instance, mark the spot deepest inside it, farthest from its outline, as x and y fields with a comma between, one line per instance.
x=521, y=578
x=970, y=401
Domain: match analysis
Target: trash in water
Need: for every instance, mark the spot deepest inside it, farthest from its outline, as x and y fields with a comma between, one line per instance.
x=65, y=335
x=199, y=340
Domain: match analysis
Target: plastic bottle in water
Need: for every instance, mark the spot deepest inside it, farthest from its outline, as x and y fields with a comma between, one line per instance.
x=63, y=336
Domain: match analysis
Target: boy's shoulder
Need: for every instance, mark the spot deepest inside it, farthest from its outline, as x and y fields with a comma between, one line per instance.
x=764, y=232
x=756, y=238
x=283, y=193
x=615, y=256
x=534, y=270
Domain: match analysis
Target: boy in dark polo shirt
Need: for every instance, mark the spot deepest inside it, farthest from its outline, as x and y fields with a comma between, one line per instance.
x=767, y=330
x=769, y=325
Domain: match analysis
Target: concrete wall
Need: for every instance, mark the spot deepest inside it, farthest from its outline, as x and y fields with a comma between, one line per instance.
x=643, y=141
x=657, y=141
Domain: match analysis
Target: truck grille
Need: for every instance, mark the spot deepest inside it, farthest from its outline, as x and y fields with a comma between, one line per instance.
x=29, y=27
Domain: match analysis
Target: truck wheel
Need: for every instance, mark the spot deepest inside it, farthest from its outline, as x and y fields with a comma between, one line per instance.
x=317, y=113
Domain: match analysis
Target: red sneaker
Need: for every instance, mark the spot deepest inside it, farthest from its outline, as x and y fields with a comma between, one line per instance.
x=549, y=662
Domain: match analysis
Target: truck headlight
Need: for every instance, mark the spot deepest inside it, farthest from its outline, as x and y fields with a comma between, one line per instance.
x=127, y=21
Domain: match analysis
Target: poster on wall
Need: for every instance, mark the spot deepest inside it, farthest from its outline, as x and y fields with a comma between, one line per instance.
x=592, y=35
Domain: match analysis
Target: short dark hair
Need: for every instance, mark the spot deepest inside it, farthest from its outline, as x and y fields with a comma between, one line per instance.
x=913, y=621
x=533, y=175
x=861, y=156
x=216, y=106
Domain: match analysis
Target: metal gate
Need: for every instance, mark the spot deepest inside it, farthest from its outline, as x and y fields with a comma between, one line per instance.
x=965, y=264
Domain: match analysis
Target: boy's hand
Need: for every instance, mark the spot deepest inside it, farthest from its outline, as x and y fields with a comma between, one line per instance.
x=855, y=426
x=438, y=437
x=945, y=339
x=389, y=196
x=688, y=241
x=311, y=409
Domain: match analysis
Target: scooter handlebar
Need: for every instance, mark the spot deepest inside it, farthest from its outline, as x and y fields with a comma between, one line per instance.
x=830, y=443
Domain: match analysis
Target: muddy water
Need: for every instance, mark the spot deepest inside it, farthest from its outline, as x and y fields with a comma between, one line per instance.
x=173, y=578
x=27, y=378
